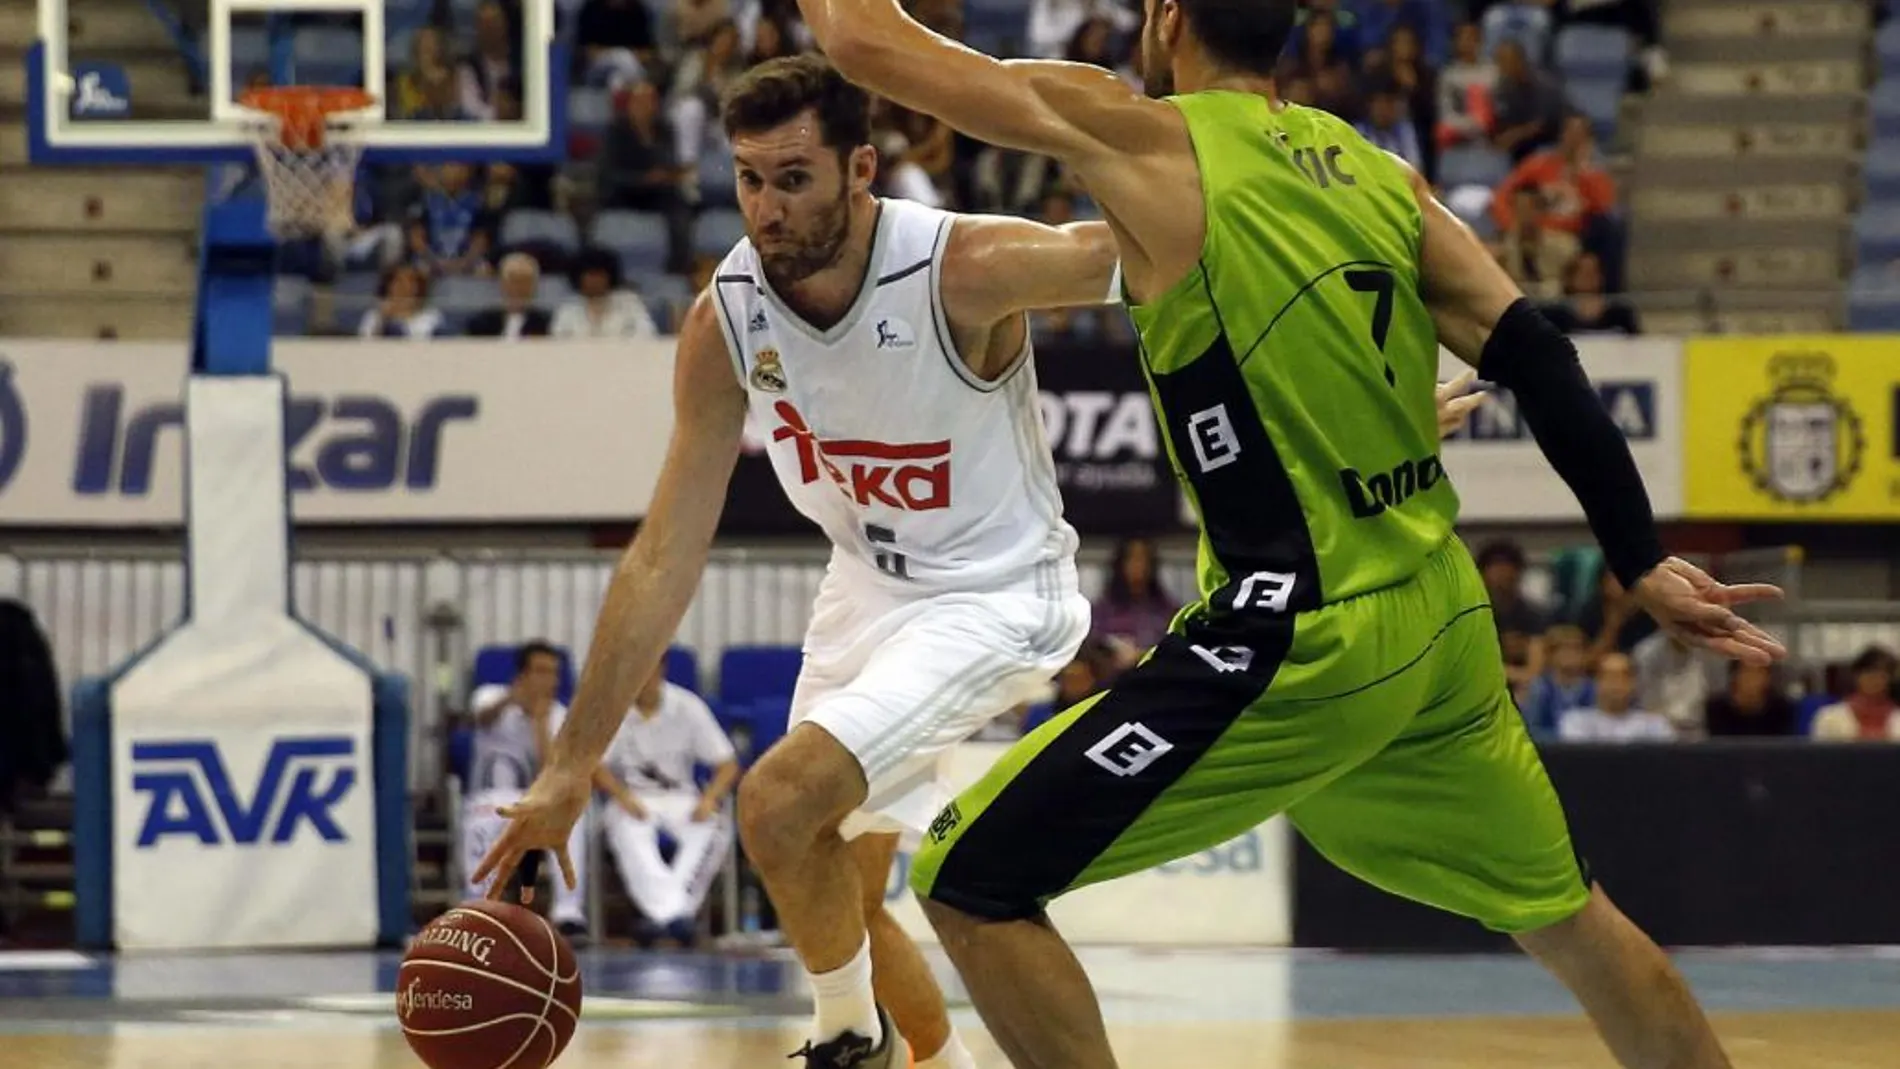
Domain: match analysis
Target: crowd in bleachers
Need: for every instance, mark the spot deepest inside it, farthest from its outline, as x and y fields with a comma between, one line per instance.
x=1503, y=103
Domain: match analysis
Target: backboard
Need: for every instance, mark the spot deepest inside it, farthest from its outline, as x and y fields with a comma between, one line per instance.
x=124, y=81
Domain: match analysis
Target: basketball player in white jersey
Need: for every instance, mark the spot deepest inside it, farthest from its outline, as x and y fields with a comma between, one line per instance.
x=885, y=348
x=648, y=778
x=513, y=727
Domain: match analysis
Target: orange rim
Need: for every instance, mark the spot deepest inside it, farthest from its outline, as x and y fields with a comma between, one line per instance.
x=304, y=110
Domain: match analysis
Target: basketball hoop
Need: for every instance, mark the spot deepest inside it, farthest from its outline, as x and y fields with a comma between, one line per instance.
x=307, y=150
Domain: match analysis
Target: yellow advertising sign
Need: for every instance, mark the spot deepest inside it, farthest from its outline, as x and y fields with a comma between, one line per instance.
x=1793, y=427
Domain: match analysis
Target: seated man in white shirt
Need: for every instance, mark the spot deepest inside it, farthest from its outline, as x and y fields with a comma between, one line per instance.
x=1614, y=717
x=513, y=726
x=648, y=773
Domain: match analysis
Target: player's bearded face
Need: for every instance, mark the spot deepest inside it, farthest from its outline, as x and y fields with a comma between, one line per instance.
x=809, y=234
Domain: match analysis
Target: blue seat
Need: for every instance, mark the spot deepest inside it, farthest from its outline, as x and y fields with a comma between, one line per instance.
x=717, y=230
x=756, y=725
x=465, y=294
x=716, y=177
x=1884, y=104
x=1873, y=299
x=752, y=673
x=250, y=51
x=682, y=668
x=1877, y=235
x=657, y=286
x=1887, y=44
x=327, y=55
x=1881, y=172
x=1599, y=98
x=1472, y=165
x=1585, y=51
x=638, y=238
x=526, y=225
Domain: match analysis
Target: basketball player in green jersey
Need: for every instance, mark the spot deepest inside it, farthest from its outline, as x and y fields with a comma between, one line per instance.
x=1291, y=286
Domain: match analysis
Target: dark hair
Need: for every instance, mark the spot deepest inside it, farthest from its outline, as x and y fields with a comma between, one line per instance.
x=1245, y=35
x=594, y=258
x=1872, y=659
x=1119, y=592
x=1502, y=552
x=531, y=649
x=779, y=90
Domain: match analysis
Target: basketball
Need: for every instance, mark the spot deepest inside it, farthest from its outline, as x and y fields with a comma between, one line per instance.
x=488, y=985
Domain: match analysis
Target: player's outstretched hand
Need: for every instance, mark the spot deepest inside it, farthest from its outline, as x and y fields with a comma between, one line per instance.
x=1456, y=400
x=1689, y=604
x=541, y=820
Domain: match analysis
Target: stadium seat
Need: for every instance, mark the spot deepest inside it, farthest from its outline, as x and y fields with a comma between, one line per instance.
x=755, y=725
x=1470, y=165
x=1585, y=51
x=1887, y=44
x=716, y=177
x=717, y=230
x=750, y=673
x=250, y=51
x=682, y=668
x=667, y=296
x=1881, y=171
x=1877, y=235
x=1873, y=300
x=463, y=293
x=638, y=238
x=328, y=55
x=1599, y=98
x=531, y=225
x=1884, y=105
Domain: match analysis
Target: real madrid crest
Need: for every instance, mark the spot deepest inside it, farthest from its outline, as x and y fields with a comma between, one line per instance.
x=1803, y=443
x=767, y=374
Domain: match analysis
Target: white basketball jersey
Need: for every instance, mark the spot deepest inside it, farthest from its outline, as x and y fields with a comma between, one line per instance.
x=507, y=755
x=925, y=477
x=658, y=752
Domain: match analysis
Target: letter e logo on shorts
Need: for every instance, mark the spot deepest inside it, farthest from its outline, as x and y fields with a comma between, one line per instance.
x=1129, y=749
x=1212, y=435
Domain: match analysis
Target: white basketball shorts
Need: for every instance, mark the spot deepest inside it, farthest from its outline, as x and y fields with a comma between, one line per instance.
x=901, y=683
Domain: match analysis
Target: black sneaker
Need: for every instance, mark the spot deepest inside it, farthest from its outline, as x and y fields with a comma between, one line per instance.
x=575, y=932
x=853, y=1051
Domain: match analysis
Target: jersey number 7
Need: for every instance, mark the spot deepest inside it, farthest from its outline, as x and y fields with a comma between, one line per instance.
x=1379, y=283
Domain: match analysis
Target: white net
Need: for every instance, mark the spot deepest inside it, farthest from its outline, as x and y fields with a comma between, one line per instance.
x=311, y=189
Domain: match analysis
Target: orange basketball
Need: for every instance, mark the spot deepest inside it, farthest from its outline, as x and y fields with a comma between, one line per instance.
x=488, y=985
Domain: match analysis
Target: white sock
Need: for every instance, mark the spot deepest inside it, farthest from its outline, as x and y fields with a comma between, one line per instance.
x=845, y=1002
x=954, y=1055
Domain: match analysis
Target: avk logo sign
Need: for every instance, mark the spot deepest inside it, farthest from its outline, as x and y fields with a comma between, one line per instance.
x=190, y=793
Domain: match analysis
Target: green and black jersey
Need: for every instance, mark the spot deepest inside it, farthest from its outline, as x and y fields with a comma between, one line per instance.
x=1294, y=367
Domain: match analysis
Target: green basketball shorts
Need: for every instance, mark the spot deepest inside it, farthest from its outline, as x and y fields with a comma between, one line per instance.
x=1382, y=726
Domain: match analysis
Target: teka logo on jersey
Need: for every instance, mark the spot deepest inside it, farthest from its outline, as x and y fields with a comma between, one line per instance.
x=207, y=806
x=914, y=476
x=12, y=426
x=352, y=442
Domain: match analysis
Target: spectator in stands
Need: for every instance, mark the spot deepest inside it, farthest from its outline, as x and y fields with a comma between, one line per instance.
x=514, y=725
x=1534, y=255
x=1053, y=23
x=899, y=175
x=640, y=167
x=497, y=57
x=1564, y=685
x=1639, y=17
x=1134, y=609
x=450, y=231
x=1752, y=705
x=1320, y=58
x=601, y=307
x=1095, y=44
x=1519, y=623
x=1387, y=126
x=1344, y=29
x=615, y=40
x=929, y=143
x=1869, y=712
x=1095, y=667
x=648, y=772
x=1379, y=22
x=402, y=309
x=1672, y=679
x=427, y=88
x=1585, y=308
x=770, y=40
x=1571, y=177
x=1528, y=104
x=695, y=20
x=1405, y=69
x=1614, y=717
x=1467, y=89
x=516, y=317
x=702, y=74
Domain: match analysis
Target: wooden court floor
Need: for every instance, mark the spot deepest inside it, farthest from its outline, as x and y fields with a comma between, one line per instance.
x=1778, y=1040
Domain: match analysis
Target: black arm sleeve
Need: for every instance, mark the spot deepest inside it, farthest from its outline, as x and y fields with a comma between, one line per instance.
x=1528, y=356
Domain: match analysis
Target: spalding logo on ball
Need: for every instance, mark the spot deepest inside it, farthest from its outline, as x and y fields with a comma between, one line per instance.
x=488, y=985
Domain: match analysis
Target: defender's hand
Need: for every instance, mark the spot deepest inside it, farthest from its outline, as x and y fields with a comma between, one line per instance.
x=1689, y=604
x=1456, y=401
x=541, y=820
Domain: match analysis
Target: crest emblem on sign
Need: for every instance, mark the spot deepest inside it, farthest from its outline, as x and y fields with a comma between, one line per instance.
x=1803, y=443
x=767, y=374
